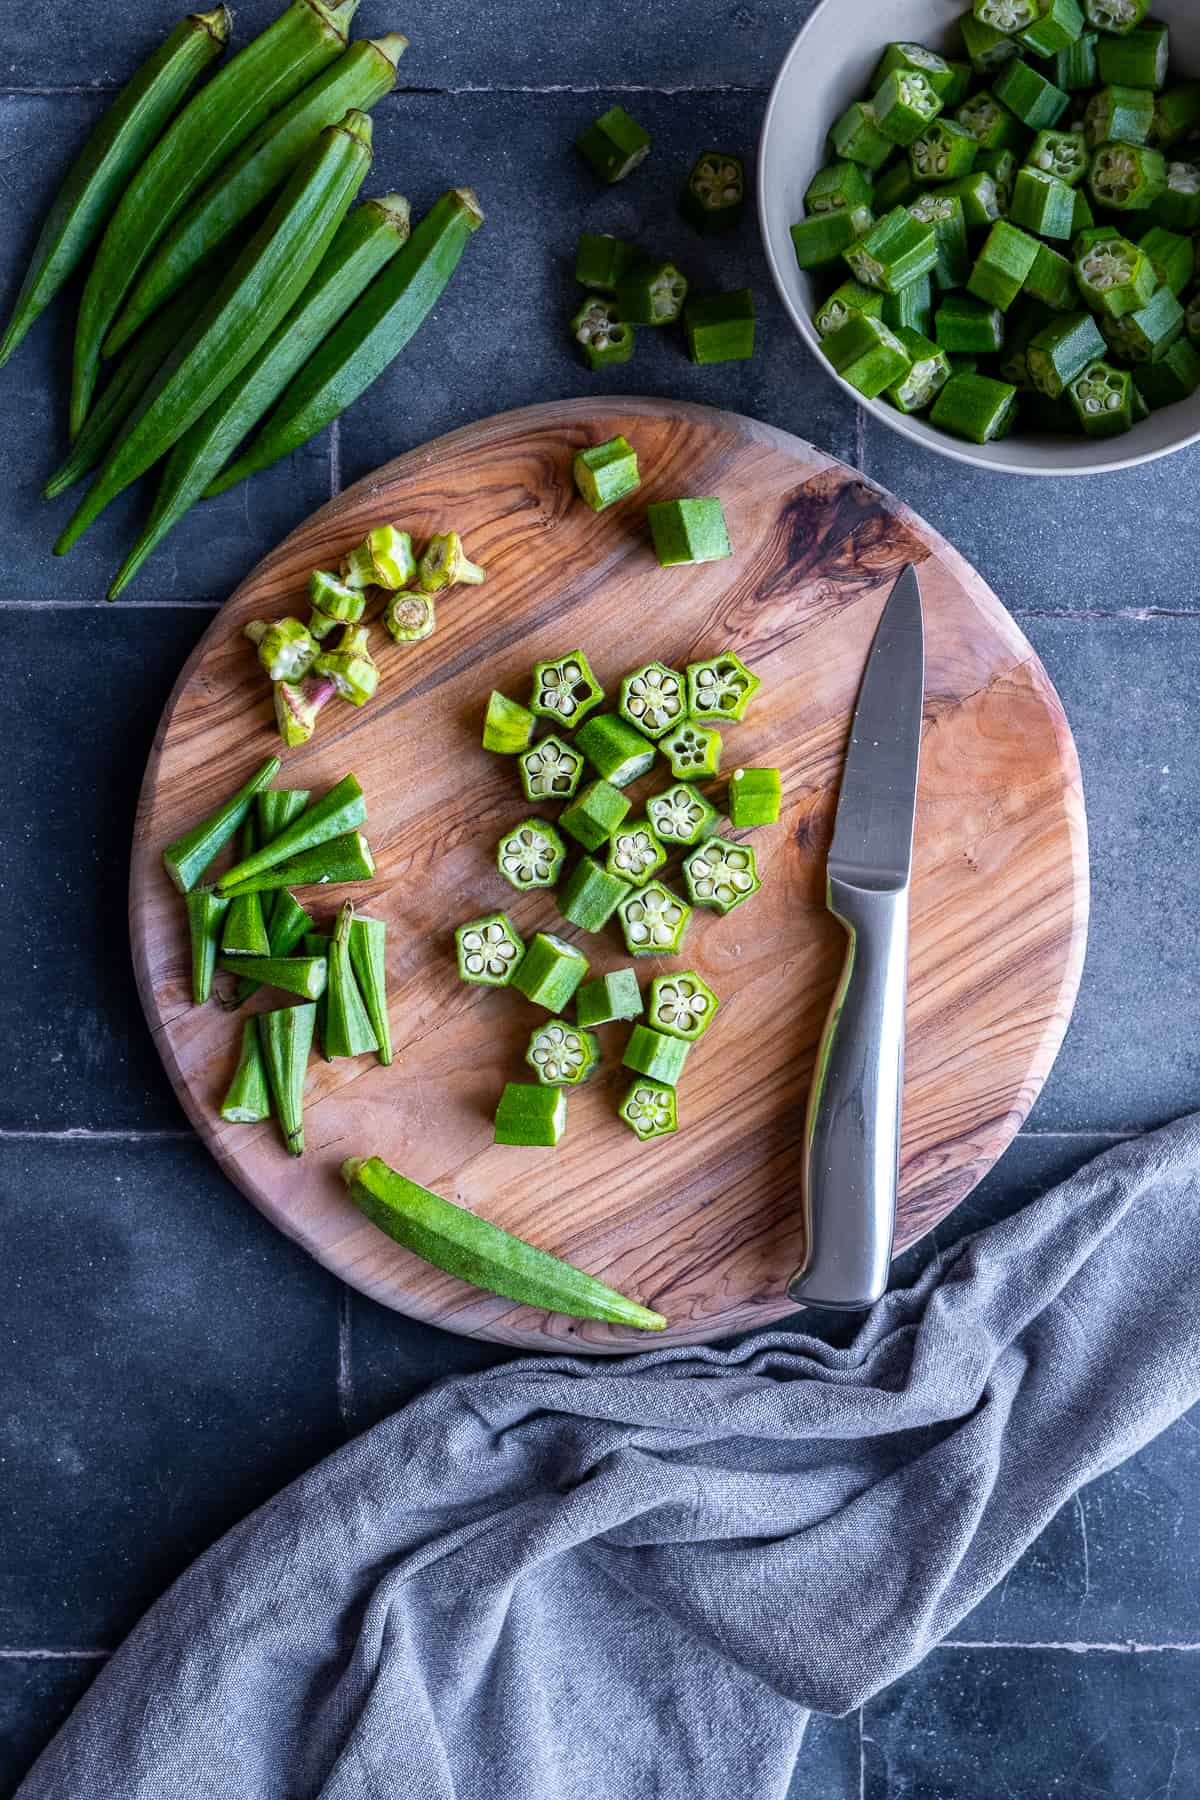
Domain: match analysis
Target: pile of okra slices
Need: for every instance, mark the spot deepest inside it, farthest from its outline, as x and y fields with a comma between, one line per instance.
x=238, y=299
x=586, y=760
x=629, y=286
x=1015, y=233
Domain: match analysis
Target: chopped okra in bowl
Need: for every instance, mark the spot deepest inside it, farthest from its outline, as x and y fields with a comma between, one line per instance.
x=983, y=217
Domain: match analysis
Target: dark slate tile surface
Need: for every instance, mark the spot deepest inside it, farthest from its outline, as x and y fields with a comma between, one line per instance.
x=1029, y=1724
x=36, y=1694
x=828, y=1766
x=169, y=1363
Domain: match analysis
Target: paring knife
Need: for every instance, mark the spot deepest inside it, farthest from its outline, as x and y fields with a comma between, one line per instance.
x=852, y=1132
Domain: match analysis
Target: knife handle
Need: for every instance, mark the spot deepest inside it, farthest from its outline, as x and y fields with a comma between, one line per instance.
x=852, y=1132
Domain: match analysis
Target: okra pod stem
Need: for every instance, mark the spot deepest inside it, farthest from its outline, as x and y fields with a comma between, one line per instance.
x=370, y=337
x=339, y=859
x=340, y=810
x=187, y=858
x=287, y=1038
x=262, y=78
x=367, y=941
x=248, y=1100
x=206, y=910
x=362, y=75
x=109, y=160
x=347, y=1030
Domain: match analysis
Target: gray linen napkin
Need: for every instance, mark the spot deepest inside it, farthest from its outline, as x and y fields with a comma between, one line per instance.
x=563, y=1579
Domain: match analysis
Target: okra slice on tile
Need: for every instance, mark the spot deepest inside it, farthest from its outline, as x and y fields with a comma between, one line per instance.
x=1178, y=207
x=601, y=334
x=1127, y=177
x=605, y=473
x=1042, y=204
x=1061, y=351
x=410, y=617
x=688, y=531
x=654, y=920
x=654, y=1054
x=720, y=874
x=595, y=814
x=550, y=971
x=720, y=689
x=945, y=151
x=653, y=699
x=488, y=950
x=651, y=292
x=601, y=260
x=1119, y=115
x=964, y=326
x=1114, y=276
x=1035, y=99
x=635, y=853
x=1172, y=255
x=531, y=855
x=682, y=815
x=856, y=137
x=944, y=212
x=1102, y=397
x=508, y=727
x=896, y=250
x=1003, y=265
x=530, y=1115
x=1175, y=377
x=682, y=1006
x=590, y=895
x=756, y=795
x=565, y=690
x=609, y=998
x=550, y=770
x=614, y=145
x=562, y=1055
x=1136, y=58
x=693, y=751
x=617, y=752
x=1147, y=334
x=720, y=327
x=904, y=104
x=850, y=297
x=976, y=407
x=1063, y=154
x=820, y=240
x=649, y=1109
x=714, y=195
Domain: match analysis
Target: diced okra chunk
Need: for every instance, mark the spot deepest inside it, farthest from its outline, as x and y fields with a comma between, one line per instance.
x=590, y=895
x=1058, y=26
x=1003, y=265
x=944, y=151
x=839, y=187
x=617, y=752
x=1063, y=154
x=608, y=998
x=635, y=853
x=1052, y=281
x=1113, y=275
x=530, y=1115
x=1175, y=377
x=1061, y=351
x=653, y=699
x=595, y=814
x=1122, y=115
x=1138, y=58
x=720, y=689
x=1035, y=100
x=682, y=815
x=944, y=212
x=896, y=250
x=550, y=972
x=656, y=1055
x=688, y=531
x=821, y=239
x=1127, y=177
x=550, y=770
x=714, y=194
x=911, y=309
x=654, y=920
x=561, y=1055
x=1042, y=203
x=970, y=327
x=1176, y=115
x=976, y=407
x=508, y=727
x=693, y=751
x=1147, y=334
x=602, y=259
x=928, y=372
x=904, y=104
x=489, y=950
x=982, y=202
x=1102, y=397
x=1172, y=255
x=755, y=796
x=603, y=336
x=531, y=855
x=936, y=69
x=857, y=138
x=851, y=297
x=605, y=473
x=649, y=1109
x=720, y=874
x=1076, y=68
x=987, y=47
x=868, y=354
x=720, y=327
x=410, y=617
x=1178, y=207
x=682, y=1006
x=895, y=186
x=651, y=292
x=614, y=145
x=991, y=125
x=566, y=690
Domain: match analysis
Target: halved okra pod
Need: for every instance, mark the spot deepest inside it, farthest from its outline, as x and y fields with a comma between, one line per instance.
x=653, y=699
x=714, y=195
x=720, y=874
x=286, y=1038
x=488, y=950
x=654, y=920
x=549, y=972
x=614, y=145
x=682, y=815
x=605, y=473
x=617, y=752
x=206, y=910
x=248, y=1100
x=682, y=1006
x=120, y=142
x=649, y=1109
x=565, y=690
x=360, y=76
x=562, y=1055
x=608, y=998
x=688, y=531
x=186, y=859
x=590, y=895
x=531, y=855
x=259, y=80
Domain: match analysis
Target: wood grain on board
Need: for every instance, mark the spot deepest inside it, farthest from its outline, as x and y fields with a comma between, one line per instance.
x=704, y=1226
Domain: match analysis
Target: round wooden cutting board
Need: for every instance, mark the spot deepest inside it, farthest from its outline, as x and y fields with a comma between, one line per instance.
x=704, y=1225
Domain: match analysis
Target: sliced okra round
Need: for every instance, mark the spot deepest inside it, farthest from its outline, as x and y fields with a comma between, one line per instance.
x=287, y=649
x=943, y=152
x=550, y=770
x=1119, y=115
x=1103, y=400
x=1063, y=154
x=653, y=699
x=562, y=1055
x=565, y=690
x=1129, y=177
x=410, y=617
x=715, y=192
x=488, y=950
x=604, y=337
x=693, y=751
x=905, y=102
x=445, y=564
x=720, y=689
x=682, y=815
x=1114, y=276
x=1116, y=15
x=531, y=855
x=682, y=1006
x=653, y=920
x=651, y=293
x=1008, y=16
x=720, y=874
x=1147, y=334
x=635, y=852
x=649, y=1109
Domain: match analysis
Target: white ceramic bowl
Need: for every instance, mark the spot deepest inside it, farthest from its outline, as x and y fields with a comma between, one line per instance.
x=827, y=67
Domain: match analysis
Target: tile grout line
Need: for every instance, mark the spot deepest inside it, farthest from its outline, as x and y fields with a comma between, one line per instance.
x=97, y=90
x=862, y=1757
x=335, y=458
x=1130, y=1647
x=14, y=1655
x=107, y=606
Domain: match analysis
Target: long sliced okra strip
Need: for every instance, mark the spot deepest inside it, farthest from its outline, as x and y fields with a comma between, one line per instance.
x=367, y=942
x=245, y=932
x=362, y=75
x=206, y=911
x=286, y=1038
x=108, y=161
x=248, y=1099
x=260, y=79
x=303, y=975
x=365, y=241
x=342, y=809
x=347, y=1030
x=370, y=337
x=338, y=859
x=269, y=276
x=288, y=924
x=186, y=859
x=475, y=1250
